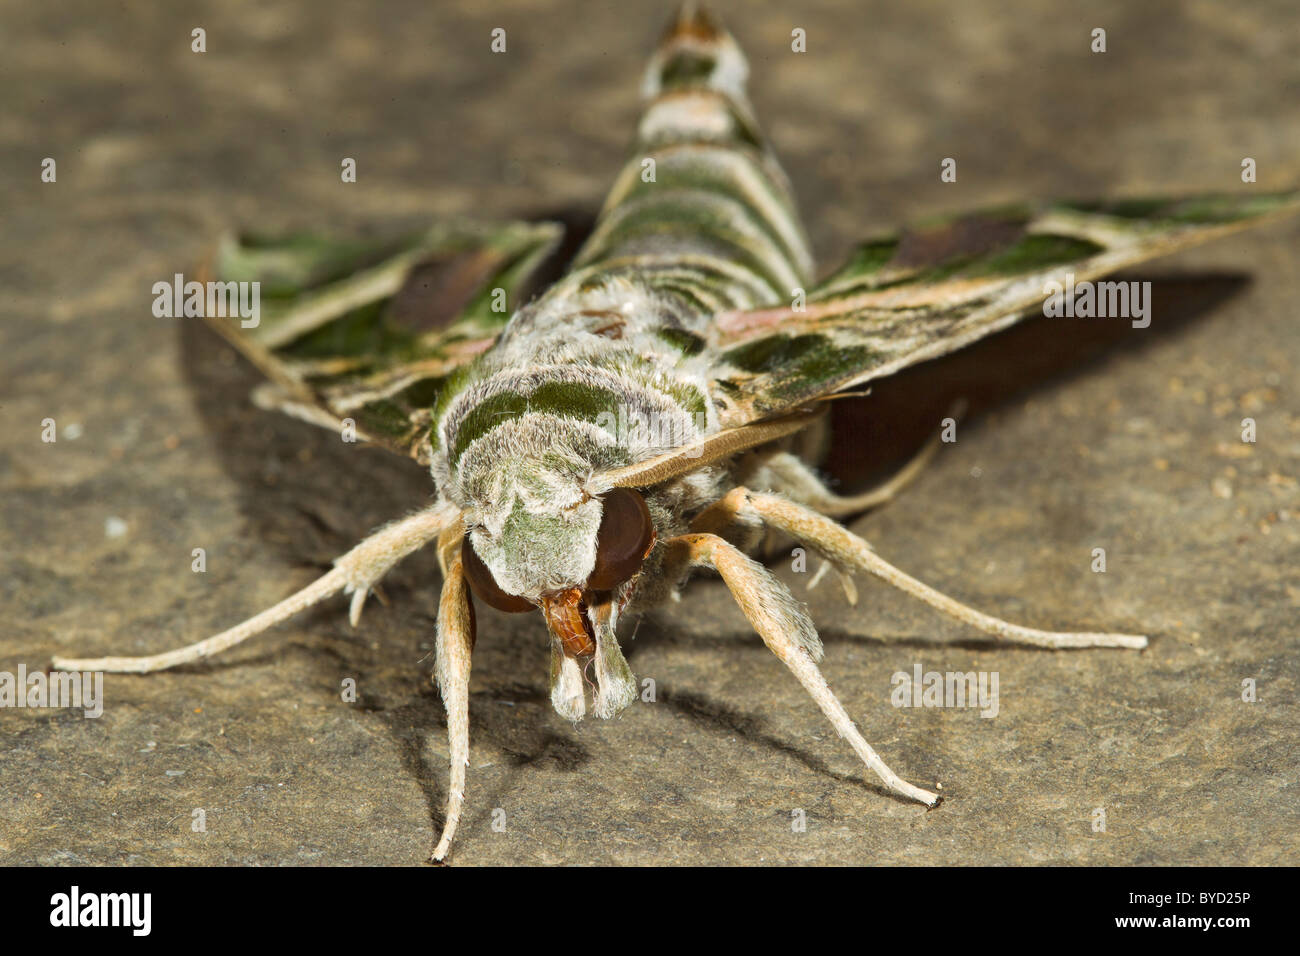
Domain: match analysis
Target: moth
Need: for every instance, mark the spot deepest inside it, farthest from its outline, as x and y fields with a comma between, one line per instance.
x=652, y=412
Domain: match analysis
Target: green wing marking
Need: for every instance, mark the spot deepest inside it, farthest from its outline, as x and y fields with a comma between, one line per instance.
x=921, y=293
x=374, y=330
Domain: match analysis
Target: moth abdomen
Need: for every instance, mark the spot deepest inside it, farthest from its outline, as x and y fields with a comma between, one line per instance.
x=702, y=209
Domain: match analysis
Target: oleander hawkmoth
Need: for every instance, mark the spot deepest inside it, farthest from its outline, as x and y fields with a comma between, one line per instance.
x=641, y=417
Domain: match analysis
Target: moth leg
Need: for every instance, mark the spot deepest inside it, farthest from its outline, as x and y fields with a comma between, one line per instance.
x=788, y=633
x=454, y=646
x=355, y=573
x=849, y=551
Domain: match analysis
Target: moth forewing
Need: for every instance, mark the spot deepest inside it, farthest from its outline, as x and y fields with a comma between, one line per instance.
x=373, y=332
x=925, y=292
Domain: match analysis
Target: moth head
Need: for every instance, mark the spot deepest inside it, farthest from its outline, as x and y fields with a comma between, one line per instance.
x=561, y=559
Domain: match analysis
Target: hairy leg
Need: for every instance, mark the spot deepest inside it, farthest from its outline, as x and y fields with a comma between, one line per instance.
x=354, y=573
x=848, y=551
x=787, y=632
x=455, y=645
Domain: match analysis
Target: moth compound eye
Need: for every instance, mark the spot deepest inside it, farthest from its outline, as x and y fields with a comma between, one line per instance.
x=625, y=535
x=485, y=586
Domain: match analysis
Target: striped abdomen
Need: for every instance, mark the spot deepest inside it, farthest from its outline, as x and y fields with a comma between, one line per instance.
x=702, y=210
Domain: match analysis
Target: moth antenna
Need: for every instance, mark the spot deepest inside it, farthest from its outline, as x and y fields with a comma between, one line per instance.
x=849, y=551
x=357, y=572
x=789, y=634
x=455, y=644
x=314, y=593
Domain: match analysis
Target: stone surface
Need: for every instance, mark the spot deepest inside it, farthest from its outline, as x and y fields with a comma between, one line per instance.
x=1081, y=437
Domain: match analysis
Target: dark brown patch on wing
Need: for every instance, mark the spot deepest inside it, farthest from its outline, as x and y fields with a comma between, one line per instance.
x=955, y=241
x=437, y=291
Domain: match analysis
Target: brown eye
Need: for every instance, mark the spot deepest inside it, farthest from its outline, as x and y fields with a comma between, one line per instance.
x=485, y=586
x=623, y=539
